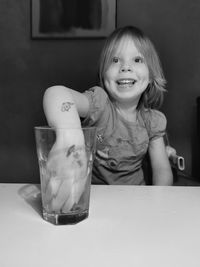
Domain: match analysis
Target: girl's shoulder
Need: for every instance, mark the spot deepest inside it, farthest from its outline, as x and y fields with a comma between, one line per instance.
x=99, y=105
x=154, y=115
x=155, y=122
x=97, y=96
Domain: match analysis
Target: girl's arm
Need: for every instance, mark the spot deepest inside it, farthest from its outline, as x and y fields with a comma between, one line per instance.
x=63, y=107
x=65, y=166
x=161, y=169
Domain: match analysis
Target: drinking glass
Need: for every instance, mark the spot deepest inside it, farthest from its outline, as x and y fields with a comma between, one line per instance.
x=65, y=173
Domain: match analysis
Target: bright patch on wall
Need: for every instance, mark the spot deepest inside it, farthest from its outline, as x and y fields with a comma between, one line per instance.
x=73, y=18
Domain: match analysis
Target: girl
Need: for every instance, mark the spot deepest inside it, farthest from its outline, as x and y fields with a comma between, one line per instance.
x=123, y=108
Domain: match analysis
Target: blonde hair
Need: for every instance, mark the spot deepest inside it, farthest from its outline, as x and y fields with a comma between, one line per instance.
x=153, y=95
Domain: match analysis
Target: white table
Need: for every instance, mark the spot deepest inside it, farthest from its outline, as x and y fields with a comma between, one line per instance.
x=132, y=226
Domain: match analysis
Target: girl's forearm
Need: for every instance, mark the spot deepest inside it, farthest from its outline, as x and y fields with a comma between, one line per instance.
x=163, y=177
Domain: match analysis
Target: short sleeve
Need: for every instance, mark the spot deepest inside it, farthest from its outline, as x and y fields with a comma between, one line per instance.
x=157, y=123
x=98, y=100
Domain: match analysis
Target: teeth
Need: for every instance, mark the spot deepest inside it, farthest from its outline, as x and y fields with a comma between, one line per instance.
x=126, y=82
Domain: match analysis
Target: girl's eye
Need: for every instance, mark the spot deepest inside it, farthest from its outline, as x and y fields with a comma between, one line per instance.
x=139, y=60
x=115, y=60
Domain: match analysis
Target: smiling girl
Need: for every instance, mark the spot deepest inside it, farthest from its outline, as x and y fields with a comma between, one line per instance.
x=123, y=108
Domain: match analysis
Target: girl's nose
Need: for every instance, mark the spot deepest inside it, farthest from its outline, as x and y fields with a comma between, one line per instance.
x=126, y=67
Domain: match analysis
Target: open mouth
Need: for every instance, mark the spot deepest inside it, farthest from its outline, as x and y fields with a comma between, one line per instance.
x=126, y=82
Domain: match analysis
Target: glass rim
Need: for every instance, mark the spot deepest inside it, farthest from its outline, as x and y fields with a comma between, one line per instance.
x=46, y=127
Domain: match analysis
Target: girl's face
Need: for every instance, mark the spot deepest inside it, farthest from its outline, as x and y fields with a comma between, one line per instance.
x=127, y=76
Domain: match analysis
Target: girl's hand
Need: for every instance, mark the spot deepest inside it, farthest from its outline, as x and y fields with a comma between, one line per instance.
x=66, y=171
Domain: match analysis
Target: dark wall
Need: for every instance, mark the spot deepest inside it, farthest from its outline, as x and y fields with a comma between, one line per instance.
x=29, y=66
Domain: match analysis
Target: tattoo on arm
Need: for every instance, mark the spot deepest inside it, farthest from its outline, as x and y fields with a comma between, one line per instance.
x=66, y=106
x=70, y=150
x=75, y=153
